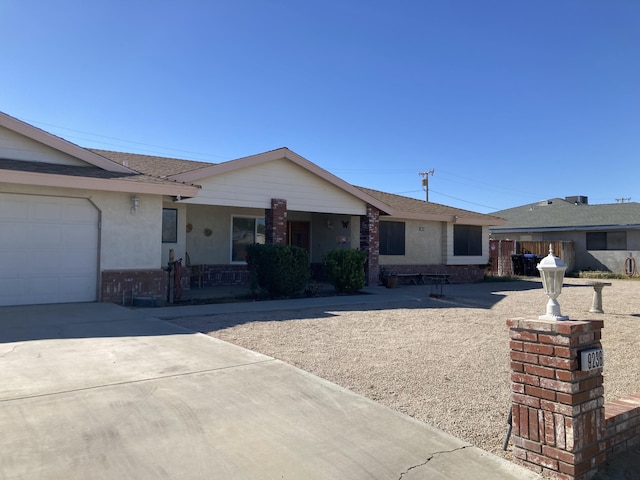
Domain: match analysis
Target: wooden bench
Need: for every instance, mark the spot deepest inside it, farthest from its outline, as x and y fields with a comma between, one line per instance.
x=416, y=278
x=436, y=280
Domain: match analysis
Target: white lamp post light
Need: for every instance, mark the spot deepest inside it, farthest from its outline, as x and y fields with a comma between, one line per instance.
x=552, y=273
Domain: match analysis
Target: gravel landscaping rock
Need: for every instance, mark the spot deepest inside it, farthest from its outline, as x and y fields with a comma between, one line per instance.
x=442, y=361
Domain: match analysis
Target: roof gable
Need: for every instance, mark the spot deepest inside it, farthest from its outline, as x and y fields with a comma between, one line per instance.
x=36, y=142
x=273, y=155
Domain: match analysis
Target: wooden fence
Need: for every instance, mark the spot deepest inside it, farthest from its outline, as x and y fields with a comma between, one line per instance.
x=501, y=251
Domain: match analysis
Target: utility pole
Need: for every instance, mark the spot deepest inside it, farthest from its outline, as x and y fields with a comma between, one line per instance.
x=623, y=200
x=425, y=180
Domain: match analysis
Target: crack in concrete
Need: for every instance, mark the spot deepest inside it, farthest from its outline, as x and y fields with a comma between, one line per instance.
x=10, y=351
x=402, y=474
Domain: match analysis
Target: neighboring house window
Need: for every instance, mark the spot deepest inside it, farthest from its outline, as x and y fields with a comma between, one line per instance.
x=169, y=225
x=245, y=231
x=467, y=240
x=392, y=238
x=606, y=240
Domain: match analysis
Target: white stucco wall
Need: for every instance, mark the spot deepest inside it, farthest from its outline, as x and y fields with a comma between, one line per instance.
x=215, y=248
x=19, y=147
x=126, y=241
x=327, y=232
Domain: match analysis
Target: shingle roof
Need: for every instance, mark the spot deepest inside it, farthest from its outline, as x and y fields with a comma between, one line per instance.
x=75, y=171
x=165, y=167
x=558, y=213
x=152, y=165
x=412, y=205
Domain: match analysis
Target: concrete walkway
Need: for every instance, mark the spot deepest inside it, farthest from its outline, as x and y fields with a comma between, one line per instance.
x=104, y=392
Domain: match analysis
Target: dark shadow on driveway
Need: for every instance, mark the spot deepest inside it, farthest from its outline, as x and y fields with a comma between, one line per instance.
x=79, y=320
x=477, y=296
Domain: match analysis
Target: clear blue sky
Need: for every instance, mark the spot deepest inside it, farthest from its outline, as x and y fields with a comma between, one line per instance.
x=510, y=102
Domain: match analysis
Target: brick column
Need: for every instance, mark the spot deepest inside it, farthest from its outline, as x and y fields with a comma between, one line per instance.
x=557, y=409
x=370, y=244
x=275, y=222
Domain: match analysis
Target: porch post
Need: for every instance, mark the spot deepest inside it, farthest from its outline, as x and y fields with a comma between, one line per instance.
x=275, y=221
x=370, y=244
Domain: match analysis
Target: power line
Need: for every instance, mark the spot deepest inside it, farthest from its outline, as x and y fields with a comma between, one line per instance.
x=450, y=196
x=425, y=181
x=122, y=140
x=466, y=201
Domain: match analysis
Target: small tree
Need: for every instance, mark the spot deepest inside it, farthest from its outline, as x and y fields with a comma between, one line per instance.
x=345, y=269
x=280, y=270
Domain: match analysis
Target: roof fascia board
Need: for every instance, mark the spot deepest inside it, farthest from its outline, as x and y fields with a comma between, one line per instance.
x=584, y=228
x=60, y=144
x=113, y=185
x=444, y=218
x=240, y=163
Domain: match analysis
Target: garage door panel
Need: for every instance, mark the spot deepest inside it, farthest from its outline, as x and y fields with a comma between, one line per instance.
x=78, y=214
x=51, y=253
x=14, y=211
x=78, y=236
x=77, y=262
x=78, y=283
x=46, y=212
x=9, y=288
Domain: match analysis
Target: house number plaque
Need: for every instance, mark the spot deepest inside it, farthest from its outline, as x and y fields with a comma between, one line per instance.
x=591, y=359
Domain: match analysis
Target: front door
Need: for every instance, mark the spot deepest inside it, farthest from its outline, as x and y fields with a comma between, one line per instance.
x=299, y=234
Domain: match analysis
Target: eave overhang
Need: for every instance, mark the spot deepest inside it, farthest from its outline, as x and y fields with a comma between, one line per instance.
x=88, y=183
x=60, y=144
x=579, y=228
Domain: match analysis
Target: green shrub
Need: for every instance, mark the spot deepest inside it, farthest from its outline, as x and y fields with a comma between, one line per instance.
x=345, y=269
x=280, y=270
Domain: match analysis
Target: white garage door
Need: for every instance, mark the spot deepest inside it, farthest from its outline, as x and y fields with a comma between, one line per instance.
x=48, y=249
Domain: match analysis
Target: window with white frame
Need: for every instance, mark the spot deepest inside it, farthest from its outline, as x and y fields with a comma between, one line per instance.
x=169, y=225
x=467, y=240
x=245, y=231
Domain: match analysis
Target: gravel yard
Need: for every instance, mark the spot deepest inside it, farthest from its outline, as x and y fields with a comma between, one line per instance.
x=442, y=361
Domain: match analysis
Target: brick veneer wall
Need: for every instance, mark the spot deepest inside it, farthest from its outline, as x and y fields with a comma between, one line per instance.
x=370, y=244
x=560, y=427
x=217, y=275
x=120, y=286
x=275, y=221
x=622, y=425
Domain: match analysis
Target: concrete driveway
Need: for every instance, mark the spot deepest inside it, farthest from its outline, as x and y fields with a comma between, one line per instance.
x=104, y=392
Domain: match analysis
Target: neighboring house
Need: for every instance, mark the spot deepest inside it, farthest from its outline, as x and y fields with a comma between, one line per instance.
x=603, y=236
x=86, y=225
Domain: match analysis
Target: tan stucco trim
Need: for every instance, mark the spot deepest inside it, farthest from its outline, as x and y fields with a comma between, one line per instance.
x=281, y=153
x=86, y=183
x=61, y=145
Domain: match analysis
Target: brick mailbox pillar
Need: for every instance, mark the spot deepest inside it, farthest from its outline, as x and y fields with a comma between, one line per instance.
x=557, y=407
